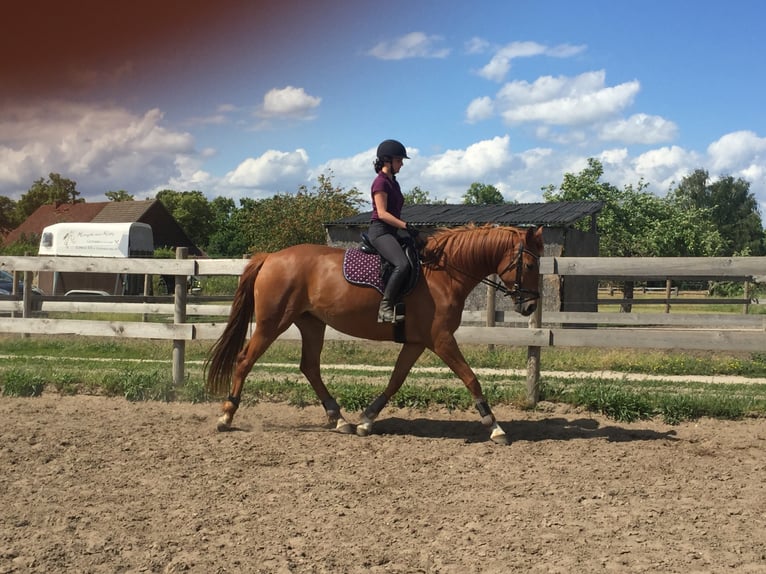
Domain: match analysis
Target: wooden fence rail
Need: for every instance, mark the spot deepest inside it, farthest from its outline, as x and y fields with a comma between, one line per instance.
x=179, y=319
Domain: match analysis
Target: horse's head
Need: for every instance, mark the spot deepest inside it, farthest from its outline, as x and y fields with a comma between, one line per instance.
x=520, y=271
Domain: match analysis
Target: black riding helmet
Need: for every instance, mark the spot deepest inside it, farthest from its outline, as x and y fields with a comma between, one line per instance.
x=390, y=149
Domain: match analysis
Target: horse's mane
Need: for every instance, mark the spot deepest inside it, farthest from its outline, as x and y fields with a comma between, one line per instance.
x=469, y=245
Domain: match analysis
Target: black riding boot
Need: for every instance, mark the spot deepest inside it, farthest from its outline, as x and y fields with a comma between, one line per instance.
x=387, y=311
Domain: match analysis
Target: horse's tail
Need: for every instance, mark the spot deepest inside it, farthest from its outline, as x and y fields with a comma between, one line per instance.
x=223, y=354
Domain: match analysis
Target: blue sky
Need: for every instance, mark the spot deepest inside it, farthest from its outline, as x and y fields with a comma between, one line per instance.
x=248, y=99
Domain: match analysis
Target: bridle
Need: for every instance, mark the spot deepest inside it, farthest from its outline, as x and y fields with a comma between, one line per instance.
x=519, y=294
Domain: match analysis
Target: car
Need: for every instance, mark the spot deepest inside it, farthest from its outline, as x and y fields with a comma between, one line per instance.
x=6, y=288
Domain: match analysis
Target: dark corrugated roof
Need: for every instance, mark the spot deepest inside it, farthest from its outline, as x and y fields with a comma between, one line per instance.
x=551, y=214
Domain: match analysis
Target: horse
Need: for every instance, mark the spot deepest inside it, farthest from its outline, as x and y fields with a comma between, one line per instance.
x=304, y=285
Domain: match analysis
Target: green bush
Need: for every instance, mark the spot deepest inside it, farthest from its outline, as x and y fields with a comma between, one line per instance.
x=19, y=383
x=613, y=402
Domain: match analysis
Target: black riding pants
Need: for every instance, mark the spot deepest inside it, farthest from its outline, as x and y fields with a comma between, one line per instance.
x=383, y=238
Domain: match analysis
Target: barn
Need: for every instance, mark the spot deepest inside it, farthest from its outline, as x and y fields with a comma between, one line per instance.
x=561, y=235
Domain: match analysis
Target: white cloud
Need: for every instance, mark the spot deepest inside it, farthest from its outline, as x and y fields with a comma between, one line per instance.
x=639, y=128
x=480, y=109
x=570, y=101
x=289, y=102
x=665, y=166
x=520, y=176
x=476, y=45
x=737, y=151
x=412, y=45
x=357, y=170
x=100, y=147
x=740, y=154
x=614, y=156
x=497, y=68
x=564, y=100
x=477, y=161
x=272, y=172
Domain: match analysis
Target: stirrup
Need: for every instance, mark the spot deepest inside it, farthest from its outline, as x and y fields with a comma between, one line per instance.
x=390, y=313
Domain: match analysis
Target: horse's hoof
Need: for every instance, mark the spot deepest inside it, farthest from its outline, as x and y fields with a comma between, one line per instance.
x=500, y=438
x=223, y=425
x=344, y=427
x=363, y=430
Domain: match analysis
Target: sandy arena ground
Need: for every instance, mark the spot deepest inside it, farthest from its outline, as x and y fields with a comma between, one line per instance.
x=94, y=484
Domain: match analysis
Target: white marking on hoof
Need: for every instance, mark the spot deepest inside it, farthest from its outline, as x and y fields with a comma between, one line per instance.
x=498, y=435
x=224, y=423
x=364, y=428
x=343, y=426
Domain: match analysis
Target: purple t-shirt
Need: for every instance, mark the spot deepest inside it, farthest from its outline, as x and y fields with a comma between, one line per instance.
x=390, y=186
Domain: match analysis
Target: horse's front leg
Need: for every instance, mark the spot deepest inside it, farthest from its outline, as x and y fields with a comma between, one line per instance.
x=450, y=353
x=407, y=357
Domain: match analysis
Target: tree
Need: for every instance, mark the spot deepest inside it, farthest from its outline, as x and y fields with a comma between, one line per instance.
x=192, y=211
x=230, y=223
x=480, y=193
x=417, y=196
x=9, y=217
x=27, y=244
x=635, y=222
x=732, y=208
x=120, y=195
x=55, y=189
x=289, y=219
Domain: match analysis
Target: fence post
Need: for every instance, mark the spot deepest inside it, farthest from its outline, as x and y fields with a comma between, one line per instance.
x=147, y=292
x=668, y=292
x=26, y=295
x=533, y=353
x=179, y=316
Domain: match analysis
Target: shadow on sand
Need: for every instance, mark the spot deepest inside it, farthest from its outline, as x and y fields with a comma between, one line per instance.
x=556, y=428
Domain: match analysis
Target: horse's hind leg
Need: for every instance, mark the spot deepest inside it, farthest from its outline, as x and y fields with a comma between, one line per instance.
x=312, y=337
x=255, y=347
x=407, y=357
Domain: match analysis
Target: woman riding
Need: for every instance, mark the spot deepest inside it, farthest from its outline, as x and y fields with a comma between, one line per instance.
x=387, y=202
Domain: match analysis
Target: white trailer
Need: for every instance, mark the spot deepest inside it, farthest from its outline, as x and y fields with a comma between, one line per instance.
x=95, y=240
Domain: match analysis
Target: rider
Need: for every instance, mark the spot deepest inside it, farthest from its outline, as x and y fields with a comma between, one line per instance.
x=387, y=202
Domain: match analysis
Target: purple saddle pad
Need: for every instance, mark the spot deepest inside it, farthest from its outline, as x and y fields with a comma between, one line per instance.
x=362, y=268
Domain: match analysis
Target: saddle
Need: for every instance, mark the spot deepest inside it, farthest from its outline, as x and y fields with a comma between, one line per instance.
x=364, y=266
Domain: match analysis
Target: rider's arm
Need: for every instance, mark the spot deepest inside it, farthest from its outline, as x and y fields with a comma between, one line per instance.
x=381, y=205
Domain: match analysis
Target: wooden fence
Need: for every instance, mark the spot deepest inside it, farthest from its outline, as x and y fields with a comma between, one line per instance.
x=722, y=332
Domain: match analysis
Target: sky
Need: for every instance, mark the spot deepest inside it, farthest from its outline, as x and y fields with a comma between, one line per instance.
x=245, y=98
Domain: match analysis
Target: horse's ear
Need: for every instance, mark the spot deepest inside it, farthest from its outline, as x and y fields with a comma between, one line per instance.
x=535, y=236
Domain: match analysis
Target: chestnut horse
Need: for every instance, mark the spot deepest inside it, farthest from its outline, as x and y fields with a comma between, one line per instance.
x=304, y=285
